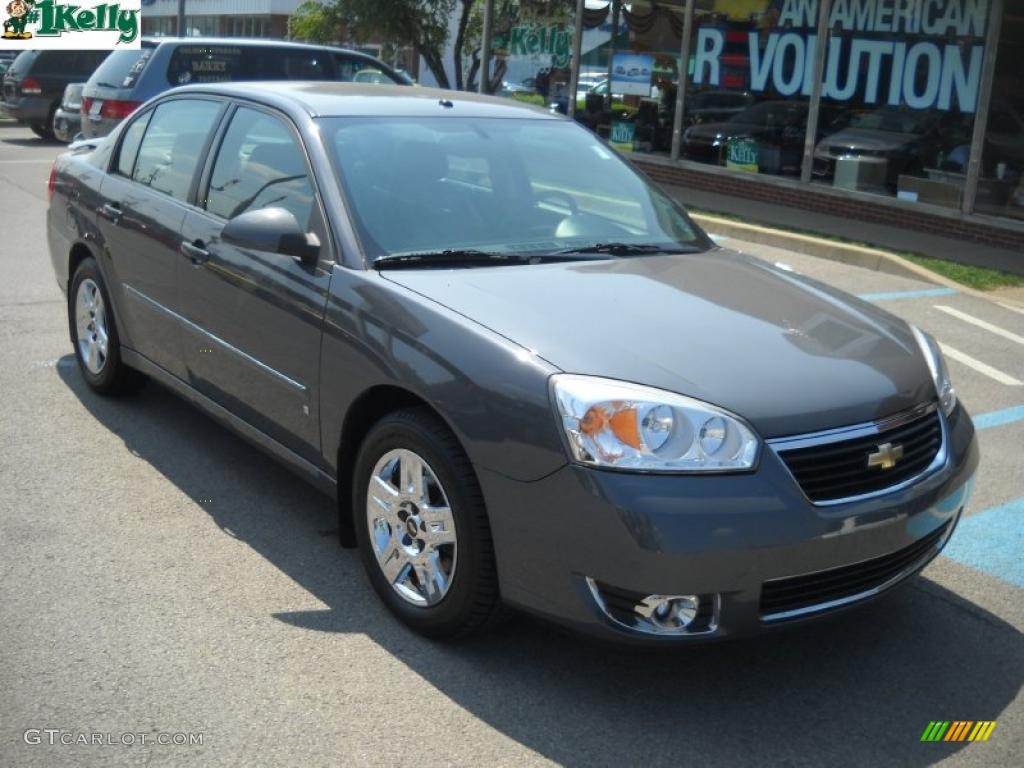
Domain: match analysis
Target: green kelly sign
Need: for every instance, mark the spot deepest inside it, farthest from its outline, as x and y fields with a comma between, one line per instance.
x=539, y=39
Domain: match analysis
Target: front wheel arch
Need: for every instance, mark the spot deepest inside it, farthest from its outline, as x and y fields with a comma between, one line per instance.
x=366, y=410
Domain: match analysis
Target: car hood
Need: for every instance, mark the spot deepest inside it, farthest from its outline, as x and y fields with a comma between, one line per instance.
x=787, y=353
x=868, y=139
x=729, y=129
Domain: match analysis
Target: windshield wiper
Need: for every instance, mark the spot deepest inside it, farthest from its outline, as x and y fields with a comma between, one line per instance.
x=628, y=249
x=451, y=257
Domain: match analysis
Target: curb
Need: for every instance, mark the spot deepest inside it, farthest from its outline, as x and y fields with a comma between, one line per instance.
x=874, y=259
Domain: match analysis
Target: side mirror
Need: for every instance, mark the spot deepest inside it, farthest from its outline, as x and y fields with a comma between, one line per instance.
x=273, y=230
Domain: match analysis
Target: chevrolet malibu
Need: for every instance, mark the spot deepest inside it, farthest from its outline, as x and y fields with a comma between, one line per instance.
x=527, y=377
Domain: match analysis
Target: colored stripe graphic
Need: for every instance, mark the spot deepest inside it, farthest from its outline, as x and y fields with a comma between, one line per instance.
x=958, y=730
x=893, y=295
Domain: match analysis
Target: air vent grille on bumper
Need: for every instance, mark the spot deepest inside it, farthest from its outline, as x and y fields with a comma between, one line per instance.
x=798, y=595
x=843, y=469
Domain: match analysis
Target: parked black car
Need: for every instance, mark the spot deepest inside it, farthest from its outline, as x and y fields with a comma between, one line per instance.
x=128, y=78
x=777, y=126
x=715, y=106
x=526, y=375
x=35, y=83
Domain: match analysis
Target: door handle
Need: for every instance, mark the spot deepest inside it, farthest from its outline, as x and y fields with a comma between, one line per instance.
x=111, y=212
x=195, y=252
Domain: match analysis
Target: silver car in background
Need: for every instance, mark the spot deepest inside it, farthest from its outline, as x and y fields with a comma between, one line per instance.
x=67, y=120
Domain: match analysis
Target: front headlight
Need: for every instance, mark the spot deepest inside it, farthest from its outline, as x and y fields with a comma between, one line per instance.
x=937, y=366
x=618, y=425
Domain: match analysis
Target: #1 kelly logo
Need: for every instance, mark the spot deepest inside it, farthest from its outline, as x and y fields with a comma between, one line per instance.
x=51, y=24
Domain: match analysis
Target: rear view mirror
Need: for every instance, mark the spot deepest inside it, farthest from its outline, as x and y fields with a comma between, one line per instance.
x=274, y=230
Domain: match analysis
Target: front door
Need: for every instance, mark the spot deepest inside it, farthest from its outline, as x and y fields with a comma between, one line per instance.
x=254, y=319
x=144, y=203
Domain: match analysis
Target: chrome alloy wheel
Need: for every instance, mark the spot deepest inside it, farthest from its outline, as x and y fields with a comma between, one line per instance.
x=412, y=530
x=91, y=324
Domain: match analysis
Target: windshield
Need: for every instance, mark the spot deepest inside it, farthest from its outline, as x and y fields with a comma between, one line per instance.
x=892, y=121
x=499, y=185
x=770, y=113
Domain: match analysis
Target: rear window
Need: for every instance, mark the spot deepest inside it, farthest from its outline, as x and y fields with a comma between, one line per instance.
x=121, y=69
x=65, y=63
x=212, y=64
x=23, y=62
x=356, y=70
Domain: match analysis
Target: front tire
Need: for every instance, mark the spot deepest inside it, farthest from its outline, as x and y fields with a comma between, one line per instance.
x=422, y=527
x=94, y=334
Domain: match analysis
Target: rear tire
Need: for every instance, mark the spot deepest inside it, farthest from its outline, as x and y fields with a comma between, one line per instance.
x=94, y=334
x=424, y=538
x=40, y=130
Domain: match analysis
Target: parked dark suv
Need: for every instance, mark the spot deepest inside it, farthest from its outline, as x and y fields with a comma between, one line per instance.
x=35, y=83
x=129, y=78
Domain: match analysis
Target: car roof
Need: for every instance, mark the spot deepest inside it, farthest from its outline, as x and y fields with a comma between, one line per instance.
x=333, y=99
x=250, y=42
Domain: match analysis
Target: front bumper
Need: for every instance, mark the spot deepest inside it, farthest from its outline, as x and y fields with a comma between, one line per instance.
x=723, y=536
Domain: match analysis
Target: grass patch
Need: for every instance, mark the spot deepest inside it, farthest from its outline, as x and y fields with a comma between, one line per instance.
x=978, y=278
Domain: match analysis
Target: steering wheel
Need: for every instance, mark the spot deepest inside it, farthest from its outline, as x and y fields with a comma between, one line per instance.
x=565, y=197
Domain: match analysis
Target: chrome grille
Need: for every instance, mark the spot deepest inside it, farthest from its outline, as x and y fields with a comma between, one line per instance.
x=841, y=466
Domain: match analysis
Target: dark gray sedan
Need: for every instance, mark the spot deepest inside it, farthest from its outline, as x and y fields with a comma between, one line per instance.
x=529, y=379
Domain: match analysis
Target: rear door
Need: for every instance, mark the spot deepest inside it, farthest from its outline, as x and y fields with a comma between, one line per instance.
x=254, y=319
x=145, y=198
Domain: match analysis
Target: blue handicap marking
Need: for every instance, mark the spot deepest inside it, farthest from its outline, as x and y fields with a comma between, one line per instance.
x=924, y=293
x=992, y=541
x=999, y=418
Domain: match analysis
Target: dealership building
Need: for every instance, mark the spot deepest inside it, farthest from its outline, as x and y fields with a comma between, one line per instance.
x=222, y=18
x=903, y=115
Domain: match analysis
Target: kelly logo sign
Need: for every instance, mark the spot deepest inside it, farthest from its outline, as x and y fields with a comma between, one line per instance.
x=926, y=54
x=48, y=24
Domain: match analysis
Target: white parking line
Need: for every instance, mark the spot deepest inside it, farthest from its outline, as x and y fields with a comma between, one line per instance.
x=1018, y=310
x=980, y=367
x=981, y=323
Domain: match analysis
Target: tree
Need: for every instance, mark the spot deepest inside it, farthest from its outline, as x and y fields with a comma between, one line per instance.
x=421, y=24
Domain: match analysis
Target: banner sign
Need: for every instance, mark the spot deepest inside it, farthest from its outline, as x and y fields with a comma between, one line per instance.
x=631, y=73
x=741, y=155
x=47, y=25
x=537, y=39
x=925, y=54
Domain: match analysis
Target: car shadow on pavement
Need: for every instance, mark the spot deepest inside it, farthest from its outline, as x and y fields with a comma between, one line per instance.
x=857, y=689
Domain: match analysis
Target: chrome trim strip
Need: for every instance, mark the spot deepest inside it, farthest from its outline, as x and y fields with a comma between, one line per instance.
x=831, y=436
x=599, y=600
x=260, y=365
x=910, y=570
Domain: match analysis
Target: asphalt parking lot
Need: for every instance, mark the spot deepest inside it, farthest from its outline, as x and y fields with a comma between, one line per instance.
x=160, y=576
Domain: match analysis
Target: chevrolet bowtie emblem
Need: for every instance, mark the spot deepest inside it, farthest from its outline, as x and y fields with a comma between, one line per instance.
x=885, y=456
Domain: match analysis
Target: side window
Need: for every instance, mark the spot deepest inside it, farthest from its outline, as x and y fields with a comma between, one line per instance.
x=203, y=64
x=351, y=70
x=130, y=145
x=259, y=165
x=265, y=63
x=173, y=142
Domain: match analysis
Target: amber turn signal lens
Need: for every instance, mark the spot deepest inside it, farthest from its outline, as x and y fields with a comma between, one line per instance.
x=623, y=423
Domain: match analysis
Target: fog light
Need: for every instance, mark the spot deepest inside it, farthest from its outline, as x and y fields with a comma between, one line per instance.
x=669, y=612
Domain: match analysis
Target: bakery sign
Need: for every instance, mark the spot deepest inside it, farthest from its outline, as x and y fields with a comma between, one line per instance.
x=924, y=54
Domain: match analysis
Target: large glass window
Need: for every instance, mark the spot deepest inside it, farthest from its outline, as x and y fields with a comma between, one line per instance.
x=746, y=104
x=1001, y=179
x=903, y=82
x=173, y=144
x=259, y=165
x=509, y=185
